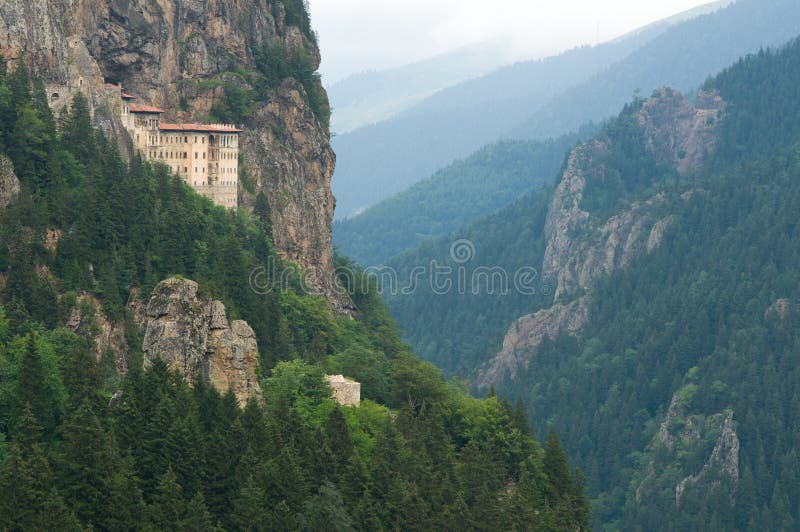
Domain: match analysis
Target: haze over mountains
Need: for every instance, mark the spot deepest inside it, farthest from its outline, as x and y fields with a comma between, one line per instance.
x=370, y=97
x=532, y=99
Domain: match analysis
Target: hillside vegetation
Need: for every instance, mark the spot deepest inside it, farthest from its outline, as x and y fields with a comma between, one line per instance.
x=83, y=447
x=490, y=179
x=679, y=395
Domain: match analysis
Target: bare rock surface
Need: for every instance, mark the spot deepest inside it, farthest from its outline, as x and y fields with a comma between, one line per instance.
x=191, y=333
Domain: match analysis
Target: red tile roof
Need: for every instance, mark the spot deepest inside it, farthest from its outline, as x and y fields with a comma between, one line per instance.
x=220, y=128
x=128, y=97
x=137, y=108
x=112, y=86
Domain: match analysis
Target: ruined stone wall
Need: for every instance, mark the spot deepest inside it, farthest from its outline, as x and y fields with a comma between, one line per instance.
x=344, y=391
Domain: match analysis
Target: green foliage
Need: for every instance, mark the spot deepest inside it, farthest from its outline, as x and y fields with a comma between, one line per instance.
x=235, y=106
x=163, y=454
x=696, y=321
x=456, y=330
x=297, y=15
x=691, y=323
x=464, y=192
x=275, y=63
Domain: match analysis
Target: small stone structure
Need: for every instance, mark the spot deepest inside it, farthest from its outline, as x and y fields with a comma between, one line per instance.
x=344, y=391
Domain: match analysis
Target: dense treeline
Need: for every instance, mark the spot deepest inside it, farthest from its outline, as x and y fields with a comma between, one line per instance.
x=84, y=448
x=464, y=192
x=167, y=456
x=710, y=318
x=456, y=329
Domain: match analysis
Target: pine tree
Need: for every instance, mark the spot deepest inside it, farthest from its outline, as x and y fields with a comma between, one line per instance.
x=86, y=466
x=197, y=517
x=556, y=468
x=325, y=511
x=249, y=508
x=32, y=391
x=168, y=506
x=28, y=499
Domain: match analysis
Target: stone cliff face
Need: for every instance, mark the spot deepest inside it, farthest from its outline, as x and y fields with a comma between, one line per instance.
x=580, y=247
x=178, y=54
x=290, y=157
x=192, y=334
x=88, y=319
x=683, y=436
x=679, y=134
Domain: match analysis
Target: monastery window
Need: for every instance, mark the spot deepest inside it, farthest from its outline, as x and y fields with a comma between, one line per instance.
x=196, y=155
x=186, y=139
x=185, y=170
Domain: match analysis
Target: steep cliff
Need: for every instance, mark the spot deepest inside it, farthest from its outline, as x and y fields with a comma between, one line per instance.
x=185, y=56
x=192, y=334
x=582, y=245
x=685, y=438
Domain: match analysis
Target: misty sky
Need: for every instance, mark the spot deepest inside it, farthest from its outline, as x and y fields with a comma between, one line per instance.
x=359, y=35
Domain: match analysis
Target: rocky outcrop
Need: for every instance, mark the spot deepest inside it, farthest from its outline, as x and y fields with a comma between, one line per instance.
x=779, y=309
x=565, y=217
x=9, y=184
x=722, y=464
x=580, y=247
x=192, y=334
x=88, y=319
x=678, y=134
x=290, y=158
x=179, y=55
x=527, y=334
x=684, y=437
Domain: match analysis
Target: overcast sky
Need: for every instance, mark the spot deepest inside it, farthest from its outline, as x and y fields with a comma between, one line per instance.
x=359, y=35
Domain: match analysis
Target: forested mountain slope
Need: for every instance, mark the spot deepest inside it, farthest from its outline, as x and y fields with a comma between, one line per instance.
x=666, y=353
x=91, y=437
x=682, y=58
x=582, y=85
x=490, y=179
